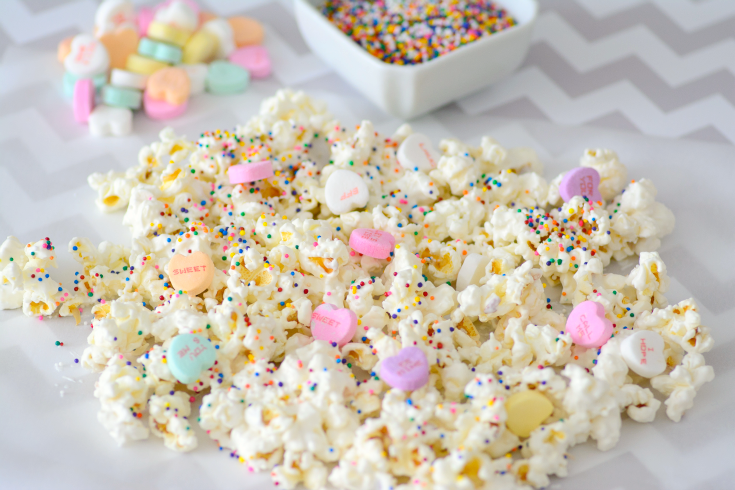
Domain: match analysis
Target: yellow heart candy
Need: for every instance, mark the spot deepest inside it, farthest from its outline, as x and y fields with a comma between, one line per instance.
x=200, y=48
x=526, y=411
x=145, y=66
x=168, y=34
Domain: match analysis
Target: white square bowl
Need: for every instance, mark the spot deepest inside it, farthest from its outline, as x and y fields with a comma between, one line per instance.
x=407, y=91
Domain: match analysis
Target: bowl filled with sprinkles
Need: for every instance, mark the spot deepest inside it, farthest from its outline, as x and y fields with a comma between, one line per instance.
x=412, y=56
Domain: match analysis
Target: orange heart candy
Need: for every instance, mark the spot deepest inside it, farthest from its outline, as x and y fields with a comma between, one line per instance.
x=169, y=84
x=64, y=49
x=120, y=44
x=192, y=274
x=246, y=31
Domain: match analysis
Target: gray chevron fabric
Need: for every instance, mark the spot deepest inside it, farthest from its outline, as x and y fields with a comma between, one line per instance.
x=653, y=80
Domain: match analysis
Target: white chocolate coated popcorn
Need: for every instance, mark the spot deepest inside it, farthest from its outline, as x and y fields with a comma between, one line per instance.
x=312, y=413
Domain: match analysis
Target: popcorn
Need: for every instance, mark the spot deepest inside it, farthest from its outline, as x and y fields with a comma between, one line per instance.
x=312, y=413
x=682, y=383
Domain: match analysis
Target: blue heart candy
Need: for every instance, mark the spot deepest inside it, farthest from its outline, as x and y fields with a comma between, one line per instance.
x=189, y=355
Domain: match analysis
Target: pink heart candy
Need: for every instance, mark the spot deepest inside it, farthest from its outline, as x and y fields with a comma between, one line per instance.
x=250, y=172
x=254, y=59
x=160, y=109
x=407, y=371
x=83, y=99
x=581, y=181
x=333, y=324
x=588, y=326
x=373, y=243
x=144, y=19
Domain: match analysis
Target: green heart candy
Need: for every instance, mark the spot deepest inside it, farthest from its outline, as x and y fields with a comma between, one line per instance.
x=225, y=78
x=122, y=97
x=157, y=50
x=189, y=355
x=70, y=80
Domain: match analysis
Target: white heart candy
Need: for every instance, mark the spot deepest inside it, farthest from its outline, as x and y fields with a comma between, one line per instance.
x=114, y=14
x=87, y=58
x=222, y=30
x=128, y=79
x=197, y=77
x=345, y=191
x=416, y=153
x=472, y=270
x=178, y=14
x=110, y=121
x=643, y=352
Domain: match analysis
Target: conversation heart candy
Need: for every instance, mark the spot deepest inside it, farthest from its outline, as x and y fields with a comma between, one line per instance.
x=200, y=48
x=122, y=97
x=64, y=48
x=588, y=326
x=220, y=29
x=110, y=121
x=114, y=14
x=69, y=81
x=143, y=65
x=120, y=44
x=168, y=34
x=472, y=270
x=128, y=79
x=581, y=181
x=373, y=243
x=224, y=78
x=246, y=31
x=144, y=19
x=643, y=352
x=83, y=99
x=254, y=59
x=87, y=58
x=527, y=410
x=333, y=324
x=416, y=153
x=197, y=74
x=192, y=274
x=250, y=172
x=170, y=84
x=164, y=52
x=345, y=191
x=407, y=371
x=162, y=110
x=189, y=355
x=183, y=15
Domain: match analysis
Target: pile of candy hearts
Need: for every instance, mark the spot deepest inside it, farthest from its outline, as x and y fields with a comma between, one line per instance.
x=155, y=59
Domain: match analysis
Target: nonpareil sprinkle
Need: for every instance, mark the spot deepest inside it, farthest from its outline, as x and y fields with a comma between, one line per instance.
x=406, y=32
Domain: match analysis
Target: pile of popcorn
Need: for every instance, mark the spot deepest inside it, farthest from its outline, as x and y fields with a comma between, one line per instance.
x=313, y=413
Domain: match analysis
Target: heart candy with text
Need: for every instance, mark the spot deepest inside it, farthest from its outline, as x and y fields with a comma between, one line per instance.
x=416, y=153
x=87, y=57
x=588, y=326
x=643, y=352
x=407, y=371
x=333, y=324
x=373, y=243
x=189, y=355
x=345, y=191
x=581, y=181
x=191, y=273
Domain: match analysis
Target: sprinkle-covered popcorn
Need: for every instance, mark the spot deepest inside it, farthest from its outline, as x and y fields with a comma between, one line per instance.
x=317, y=412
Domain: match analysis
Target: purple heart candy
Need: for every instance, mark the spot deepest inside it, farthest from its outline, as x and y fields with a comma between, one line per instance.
x=581, y=181
x=407, y=371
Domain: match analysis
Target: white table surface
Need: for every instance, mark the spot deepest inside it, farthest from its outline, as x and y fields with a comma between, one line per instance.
x=50, y=441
